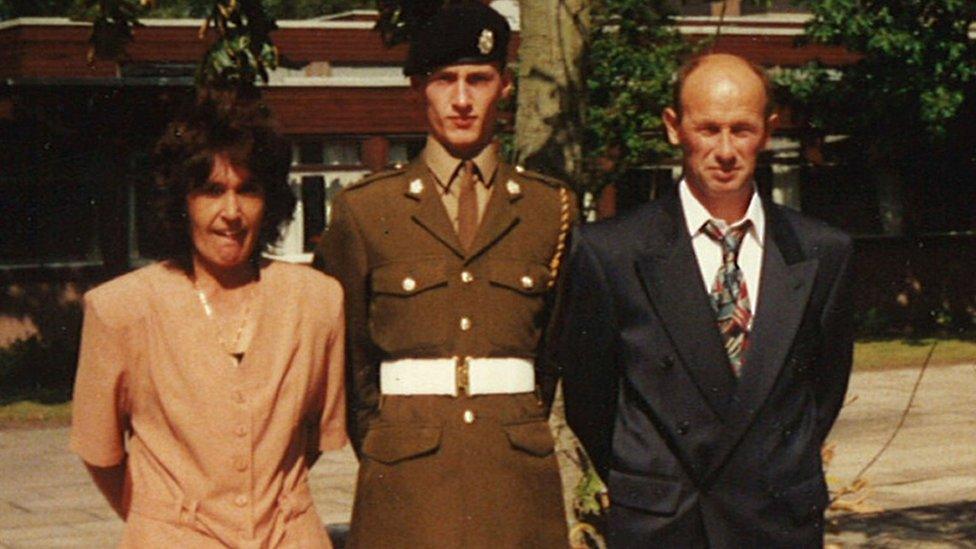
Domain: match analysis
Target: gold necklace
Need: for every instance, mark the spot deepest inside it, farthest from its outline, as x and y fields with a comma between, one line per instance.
x=209, y=312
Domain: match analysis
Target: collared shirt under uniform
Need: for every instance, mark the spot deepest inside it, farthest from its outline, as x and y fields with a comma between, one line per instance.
x=708, y=251
x=215, y=453
x=447, y=172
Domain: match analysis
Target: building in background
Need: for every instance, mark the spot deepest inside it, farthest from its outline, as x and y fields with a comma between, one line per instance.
x=75, y=173
x=75, y=179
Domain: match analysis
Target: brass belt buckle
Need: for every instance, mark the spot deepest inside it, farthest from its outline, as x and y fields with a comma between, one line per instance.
x=461, y=380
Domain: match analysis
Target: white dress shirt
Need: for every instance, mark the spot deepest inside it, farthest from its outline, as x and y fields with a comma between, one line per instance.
x=709, y=252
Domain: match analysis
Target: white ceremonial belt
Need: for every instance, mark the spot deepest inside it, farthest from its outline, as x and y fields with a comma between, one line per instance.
x=457, y=376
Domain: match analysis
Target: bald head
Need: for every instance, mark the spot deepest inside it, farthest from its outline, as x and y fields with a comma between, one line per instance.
x=721, y=121
x=716, y=65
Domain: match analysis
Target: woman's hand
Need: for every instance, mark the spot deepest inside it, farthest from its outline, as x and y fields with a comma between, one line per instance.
x=111, y=483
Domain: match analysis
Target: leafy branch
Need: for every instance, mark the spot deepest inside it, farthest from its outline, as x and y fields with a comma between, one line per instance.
x=242, y=52
x=634, y=50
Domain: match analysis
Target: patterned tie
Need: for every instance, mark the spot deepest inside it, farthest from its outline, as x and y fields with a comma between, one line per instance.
x=467, y=205
x=729, y=296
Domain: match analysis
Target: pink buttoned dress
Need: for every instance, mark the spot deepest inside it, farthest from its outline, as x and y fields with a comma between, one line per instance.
x=217, y=452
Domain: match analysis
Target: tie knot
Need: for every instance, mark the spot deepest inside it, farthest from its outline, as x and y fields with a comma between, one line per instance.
x=730, y=238
x=467, y=172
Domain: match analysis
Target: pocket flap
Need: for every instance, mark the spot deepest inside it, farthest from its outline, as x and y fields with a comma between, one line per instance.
x=392, y=443
x=408, y=277
x=522, y=276
x=653, y=495
x=807, y=498
x=533, y=437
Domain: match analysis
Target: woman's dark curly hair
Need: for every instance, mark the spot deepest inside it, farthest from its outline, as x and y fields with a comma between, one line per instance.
x=231, y=122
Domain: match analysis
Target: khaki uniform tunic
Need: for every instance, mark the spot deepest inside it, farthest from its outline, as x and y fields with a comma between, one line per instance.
x=440, y=471
x=216, y=452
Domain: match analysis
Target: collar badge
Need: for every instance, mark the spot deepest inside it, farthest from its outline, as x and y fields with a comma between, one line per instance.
x=486, y=42
x=416, y=187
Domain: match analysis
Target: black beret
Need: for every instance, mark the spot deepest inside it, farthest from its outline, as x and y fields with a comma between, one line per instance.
x=463, y=32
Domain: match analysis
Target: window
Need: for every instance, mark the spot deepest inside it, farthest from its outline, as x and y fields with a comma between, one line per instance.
x=321, y=169
x=342, y=154
x=319, y=152
x=404, y=150
x=309, y=152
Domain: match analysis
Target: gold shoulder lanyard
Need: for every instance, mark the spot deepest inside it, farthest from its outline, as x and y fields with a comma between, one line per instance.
x=564, y=224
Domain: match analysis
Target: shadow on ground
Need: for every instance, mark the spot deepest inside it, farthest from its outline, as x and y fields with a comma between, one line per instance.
x=950, y=523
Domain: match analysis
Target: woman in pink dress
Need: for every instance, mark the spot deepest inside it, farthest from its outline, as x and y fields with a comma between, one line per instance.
x=209, y=383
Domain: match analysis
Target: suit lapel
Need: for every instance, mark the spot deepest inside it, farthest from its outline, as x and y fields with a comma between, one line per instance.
x=500, y=215
x=784, y=290
x=671, y=278
x=429, y=212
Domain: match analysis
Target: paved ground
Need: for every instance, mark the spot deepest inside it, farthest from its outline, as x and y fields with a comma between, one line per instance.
x=925, y=482
x=46, y=499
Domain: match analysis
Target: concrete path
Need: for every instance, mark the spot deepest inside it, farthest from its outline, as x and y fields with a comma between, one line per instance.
x=47, y=500
x=925, y=482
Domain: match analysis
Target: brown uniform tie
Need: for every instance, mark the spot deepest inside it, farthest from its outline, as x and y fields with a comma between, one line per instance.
x=467, y=206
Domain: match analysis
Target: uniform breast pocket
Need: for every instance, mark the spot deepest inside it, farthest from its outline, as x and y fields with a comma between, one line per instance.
x=407, y=306
x=517, y=303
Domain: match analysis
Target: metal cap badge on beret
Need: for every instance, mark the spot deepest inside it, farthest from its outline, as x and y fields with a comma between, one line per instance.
x=463, y=32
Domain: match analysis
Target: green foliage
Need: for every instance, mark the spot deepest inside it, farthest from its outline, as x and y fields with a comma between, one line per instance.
x=400, y=18
x=232, y=60
x=589, y=494
x=634, y=51
x=30, y=363
x=10, y=9
x=305, y=9
x=16, y=358
x=181, y=8
x=918, y=65
x=111, y=26
x=809, y=90
x=278, y=9
x=244, y=51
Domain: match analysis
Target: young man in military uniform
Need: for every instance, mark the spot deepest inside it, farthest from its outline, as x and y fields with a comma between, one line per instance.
x=448, y=266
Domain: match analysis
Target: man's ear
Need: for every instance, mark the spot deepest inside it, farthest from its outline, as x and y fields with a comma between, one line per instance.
x=508, y=83
x=671, y=123
x=771, y=124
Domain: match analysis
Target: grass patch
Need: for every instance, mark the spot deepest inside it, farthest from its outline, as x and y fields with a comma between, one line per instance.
x=39, y=408
x=898, y=353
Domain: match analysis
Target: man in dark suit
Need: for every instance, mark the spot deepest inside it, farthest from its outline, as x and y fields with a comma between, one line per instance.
x=706, y=339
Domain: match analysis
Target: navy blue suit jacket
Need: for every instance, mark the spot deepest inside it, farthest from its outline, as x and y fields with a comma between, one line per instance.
x=692, y=456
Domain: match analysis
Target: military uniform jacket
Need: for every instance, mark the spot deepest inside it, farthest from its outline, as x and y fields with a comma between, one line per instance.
x=443, y=471
x=413, y=292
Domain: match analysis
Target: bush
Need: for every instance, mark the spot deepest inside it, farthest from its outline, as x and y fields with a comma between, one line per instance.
x=28, y=365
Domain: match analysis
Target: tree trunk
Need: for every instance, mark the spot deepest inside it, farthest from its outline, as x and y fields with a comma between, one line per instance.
x=551, y=87
x=548, y=138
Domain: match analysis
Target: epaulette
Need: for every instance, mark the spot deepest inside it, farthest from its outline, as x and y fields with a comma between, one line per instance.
x=375, y=177
x=532, y=174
